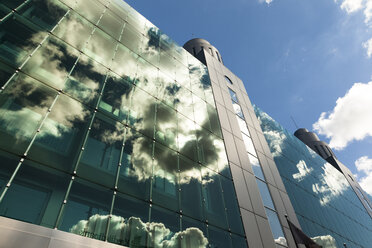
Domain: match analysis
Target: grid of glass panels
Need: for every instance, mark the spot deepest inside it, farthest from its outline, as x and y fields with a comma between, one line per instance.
x=326, y=206
x=109, y=130
x=270, y=209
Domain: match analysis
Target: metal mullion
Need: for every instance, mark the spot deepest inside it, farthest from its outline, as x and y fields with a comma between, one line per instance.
x=32, y=53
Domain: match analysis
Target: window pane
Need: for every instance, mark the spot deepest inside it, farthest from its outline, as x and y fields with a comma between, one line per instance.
x=165, y=182
x=5, y=73
x=90, y=9
x=191, y=188
x=101, y=47
x=256, y=166
x=201, y=112
x=116, y=98
x=228, y=79
x=239, y=241
x=40, y=189
x=218, y=238
x=101, y=154
x=125, y=63
x=213, y=202
x=276, y=228
x=265, y=194
x=23, y=104
x=111, y=24
x=8, y=165
x=243, y=125
x=136, y=165
x=187, y=138
x=184, y=103
x=238, y=110
x=249, y=145
x=127, y=225
x=59, y=141
x=131, y=38
x=87, y=210
x=214, y=121
x=194, y=233
x=233, y=95
x=166, y=126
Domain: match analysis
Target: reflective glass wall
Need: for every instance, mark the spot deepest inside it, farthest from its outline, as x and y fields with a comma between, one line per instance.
x=109, y=130
x=326, y=206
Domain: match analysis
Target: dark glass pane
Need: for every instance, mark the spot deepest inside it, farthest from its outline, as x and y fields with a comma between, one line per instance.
x=165, y=181
x=128, y=222
x=87, y=210
x=85, y=81
x=166, y=126
x=18, y=38
x=60, y=138
x=40, y=189
x=142, y=112
x=5, y=73
x=101, y=155
x=23, y=104
x=218, y=238
x=214, y=121
x=116, y=98
x=231, y=203
x=12, y=4
x=213, y=201
x=238, y=241
x=111, y=24
x=136, y=165
x=80, y=25
x=191, y=188
x=164, y=229
x=8, y=165
x=194, y=233
x=52, y=62
x=45, y=13
x=265, y=194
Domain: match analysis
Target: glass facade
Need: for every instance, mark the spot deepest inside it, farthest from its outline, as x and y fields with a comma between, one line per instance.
x=109, y=130
x=326, y=206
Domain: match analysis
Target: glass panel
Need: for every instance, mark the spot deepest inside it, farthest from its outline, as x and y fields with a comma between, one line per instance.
x=165, y=181
x=136, y=165
x=120, y=8
x=79, y=25
x=142, y=112
x=238, y=110
x=164, y=228
x=239, y=241
x=194, y=234
x=87, y=210
x=24, y=99
x=101, y=155
x=116, y=98
x=276, y=228
x=40, y=189
x=45, y=13
x=12, y=3
x=167, y=65
x=8, y=165
x=101, y=47
x=131, y=38
x=52, y=62
x=249, y=145
x=218, y=238
x=90, y=9
x=191, y=186
x=243, y=125
x=187, y=138
x=265, y=194
x=231, y=203
x=60, y=138
x=18, y=38
x=168, y=90
x=111, y=24
x=196, y=77
x=213, y=201
x=233, y=95
x=201, y=112
x=214, y=121
x=128, y=222
x=125, y=63
x=85, y=81
x=166, y=126
x=147, y=77
x=184, y=103
x=5, y=73
x=256, y=166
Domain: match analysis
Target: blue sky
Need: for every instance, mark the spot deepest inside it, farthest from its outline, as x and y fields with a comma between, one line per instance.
x=296, y=58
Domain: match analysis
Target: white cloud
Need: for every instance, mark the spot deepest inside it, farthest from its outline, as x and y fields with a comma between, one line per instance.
x=265, y=1
x=352, y=5
x=368, y=46
x=326, y=241
x=351, y=118
x=364, y=165
x=303, y=170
